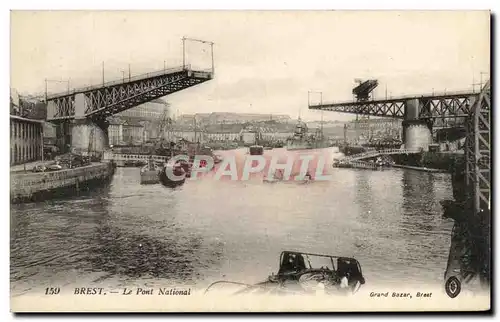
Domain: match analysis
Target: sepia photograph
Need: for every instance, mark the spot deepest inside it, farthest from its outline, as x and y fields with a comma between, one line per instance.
x=250, y=161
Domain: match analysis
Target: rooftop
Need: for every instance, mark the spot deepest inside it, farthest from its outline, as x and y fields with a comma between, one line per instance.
x=24, y=119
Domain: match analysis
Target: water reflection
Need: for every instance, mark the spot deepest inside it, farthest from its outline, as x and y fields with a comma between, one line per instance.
x=48, y=239
x=421, y=212
x=364, y=194
x=120, y=252
x=422, y=217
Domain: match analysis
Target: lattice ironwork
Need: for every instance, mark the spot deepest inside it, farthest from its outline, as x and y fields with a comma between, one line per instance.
x=101, y=102
x=471, y=238
x=375, y=123
x=435, y=108
x=478, y=152
x=64, y=107
x=387, y=108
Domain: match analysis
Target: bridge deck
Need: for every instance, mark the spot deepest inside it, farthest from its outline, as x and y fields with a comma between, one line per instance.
x=104, y=100
x=120, y=81
x=432, y=106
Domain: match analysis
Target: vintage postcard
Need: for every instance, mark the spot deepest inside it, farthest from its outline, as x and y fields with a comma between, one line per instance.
x=250, y=161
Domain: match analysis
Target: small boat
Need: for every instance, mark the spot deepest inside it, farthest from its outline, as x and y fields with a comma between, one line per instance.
x=332, y=275
x=256, y=150
x=54, y=167
x=150, y=173
x=39, y=168
x=180, y=169
x=278, y=176
x=307, y=178
x=217, y=159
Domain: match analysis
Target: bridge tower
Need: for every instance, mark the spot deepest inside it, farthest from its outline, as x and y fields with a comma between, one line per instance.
x=471, y=178
x=363, y=93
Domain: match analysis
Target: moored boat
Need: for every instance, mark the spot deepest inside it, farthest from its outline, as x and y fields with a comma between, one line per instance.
x=278, y=176
x=217, y=159
x=256, y=150
x=301, y=140
x=150, y=173
x=180, y=169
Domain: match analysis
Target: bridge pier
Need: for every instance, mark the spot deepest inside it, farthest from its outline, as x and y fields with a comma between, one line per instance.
x=87, y=136
x=63, y=136
x=417, y=133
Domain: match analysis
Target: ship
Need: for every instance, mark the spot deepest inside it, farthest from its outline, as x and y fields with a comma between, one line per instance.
x=180, y=169
x=302, y=140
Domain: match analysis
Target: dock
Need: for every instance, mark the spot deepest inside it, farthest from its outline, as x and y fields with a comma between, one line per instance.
x=34, y=186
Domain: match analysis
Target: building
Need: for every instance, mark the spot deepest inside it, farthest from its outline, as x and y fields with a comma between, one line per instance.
x=115, y=131
x=126, y=131
x=153, y=111
x=27, y=106
x=185, y=132
x=152, y=116
x=133, y=132
x=234, y=118
x=186, y=119
x=224, y=132
x=25, y=140
x=229, y=118
x=249, y=133
x=139, y=124
x=271, y=134
x=375, y=128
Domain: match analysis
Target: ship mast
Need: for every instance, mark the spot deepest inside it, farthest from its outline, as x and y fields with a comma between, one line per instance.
x=164, y=125
x=195, y=129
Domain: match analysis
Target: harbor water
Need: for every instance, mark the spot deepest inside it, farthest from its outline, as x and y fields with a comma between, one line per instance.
x=127, y=234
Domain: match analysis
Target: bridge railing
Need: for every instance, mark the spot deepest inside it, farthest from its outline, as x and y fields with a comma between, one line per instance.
x=127, y=80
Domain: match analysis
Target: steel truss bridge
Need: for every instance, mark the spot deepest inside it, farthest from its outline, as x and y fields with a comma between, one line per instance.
x=436, y=108
x=102, y=101
x=472, y=111
x=473, y=231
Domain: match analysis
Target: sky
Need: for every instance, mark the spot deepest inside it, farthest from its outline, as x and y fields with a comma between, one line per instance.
x=265, y=62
